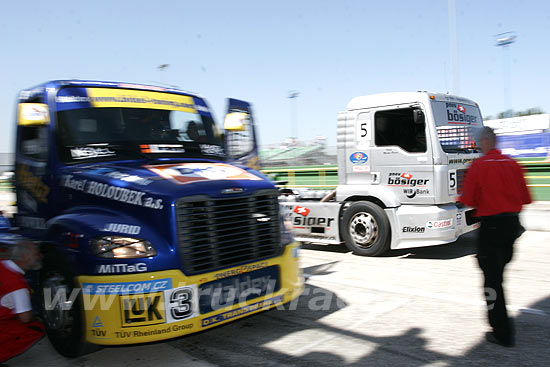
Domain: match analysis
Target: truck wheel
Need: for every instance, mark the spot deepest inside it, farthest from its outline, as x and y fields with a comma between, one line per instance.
x=366, y=229
x=63, y=319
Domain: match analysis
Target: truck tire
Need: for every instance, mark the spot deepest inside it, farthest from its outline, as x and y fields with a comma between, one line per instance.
x=366, y=229
x=63, y=320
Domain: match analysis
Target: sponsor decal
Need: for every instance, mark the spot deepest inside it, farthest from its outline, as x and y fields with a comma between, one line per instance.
x=97, y=322
x=33, y=114
x=33, y=184
x=210, y=149
x=312, y=221
x=140, y=333
x=121, y=268
x=162, y=148
x=359, y=158
x=127, y=287
x=99, y=334
x=111, y=192
x=461, y=161
x=107, y=97
x=361, y=169
x=241, y=269
x=301, y=210
x=232, y=190
x=241, y=311
x=458, y=219
x=160, y=307
x=406, y=179
x=196, y=172
x=415, y=229
x=412, y=192
x=439, y=224
x=121, y=228
x=142, y=309
x=26, y=94
x=124, y=177
x=456, y=114
x=91, y=152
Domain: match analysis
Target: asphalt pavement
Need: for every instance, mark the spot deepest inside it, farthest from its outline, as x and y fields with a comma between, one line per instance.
x=418, y=307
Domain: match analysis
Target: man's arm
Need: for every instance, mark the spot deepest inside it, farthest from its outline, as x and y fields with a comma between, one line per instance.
x=22, y=306
x=26, y=317
x=525, y=194
x=468, y=196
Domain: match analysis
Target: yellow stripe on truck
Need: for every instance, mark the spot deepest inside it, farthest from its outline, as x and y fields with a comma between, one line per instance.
x=106, y=97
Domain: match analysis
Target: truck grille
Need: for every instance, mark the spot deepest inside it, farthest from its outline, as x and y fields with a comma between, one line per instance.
x=219, y=233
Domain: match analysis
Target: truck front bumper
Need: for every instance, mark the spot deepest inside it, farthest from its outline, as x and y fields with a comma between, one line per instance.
x=429, y=225
x=145, y=307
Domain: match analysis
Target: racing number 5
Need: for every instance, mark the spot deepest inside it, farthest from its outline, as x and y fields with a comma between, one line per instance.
x=363, y=129
x=452, y=182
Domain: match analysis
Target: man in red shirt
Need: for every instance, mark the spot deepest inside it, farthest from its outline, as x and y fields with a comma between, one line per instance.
x=495, y=186
x=19, y=329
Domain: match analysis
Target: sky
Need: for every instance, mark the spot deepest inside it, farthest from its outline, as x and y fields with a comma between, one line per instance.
x=259, y=51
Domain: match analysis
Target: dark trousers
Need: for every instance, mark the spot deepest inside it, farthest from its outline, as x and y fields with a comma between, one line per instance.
x=495, y=250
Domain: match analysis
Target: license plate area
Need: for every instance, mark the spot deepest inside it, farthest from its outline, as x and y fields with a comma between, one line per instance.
x=244, y=287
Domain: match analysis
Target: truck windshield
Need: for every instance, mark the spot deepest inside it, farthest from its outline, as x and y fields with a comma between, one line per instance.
x=124, y=133
x=457, y=124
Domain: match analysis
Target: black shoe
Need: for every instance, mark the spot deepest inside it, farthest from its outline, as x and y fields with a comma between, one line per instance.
x=491, y=338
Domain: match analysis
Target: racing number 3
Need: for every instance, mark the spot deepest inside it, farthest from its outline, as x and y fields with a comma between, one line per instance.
x=181, y=303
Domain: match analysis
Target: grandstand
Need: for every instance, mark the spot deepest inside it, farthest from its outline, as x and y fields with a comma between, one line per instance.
x=297, y=155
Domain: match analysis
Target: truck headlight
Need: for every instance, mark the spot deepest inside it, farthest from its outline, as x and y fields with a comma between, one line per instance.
x=117, y=247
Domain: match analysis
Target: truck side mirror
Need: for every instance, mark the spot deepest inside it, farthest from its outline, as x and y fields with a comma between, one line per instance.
x=32, y=114
x=418, y=117
x=235, y=121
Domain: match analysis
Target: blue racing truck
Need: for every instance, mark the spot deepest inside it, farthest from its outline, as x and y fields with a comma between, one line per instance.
x=151, y=222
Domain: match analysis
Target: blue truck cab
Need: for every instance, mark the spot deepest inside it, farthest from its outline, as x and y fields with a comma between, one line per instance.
x=152, y=223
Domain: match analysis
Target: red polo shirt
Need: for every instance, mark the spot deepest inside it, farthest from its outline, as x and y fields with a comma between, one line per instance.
x=495, y=184
x=15, y=336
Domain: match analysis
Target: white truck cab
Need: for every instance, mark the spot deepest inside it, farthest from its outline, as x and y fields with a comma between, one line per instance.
x=402, y=158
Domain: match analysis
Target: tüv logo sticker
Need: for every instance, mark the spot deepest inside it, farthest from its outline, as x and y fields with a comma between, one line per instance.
x=359, y=158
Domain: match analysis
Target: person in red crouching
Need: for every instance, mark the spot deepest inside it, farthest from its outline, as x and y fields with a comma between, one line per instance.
x=19, y=329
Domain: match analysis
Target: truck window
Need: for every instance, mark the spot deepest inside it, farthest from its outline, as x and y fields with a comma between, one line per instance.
x=34, y=142
x=457, y=125
x=130, y=129
x=397, y=127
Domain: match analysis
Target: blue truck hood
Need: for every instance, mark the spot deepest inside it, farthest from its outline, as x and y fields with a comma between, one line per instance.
x=127, y=198
x=155, y=185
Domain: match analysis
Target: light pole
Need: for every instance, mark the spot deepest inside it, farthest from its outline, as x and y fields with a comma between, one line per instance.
x=504, y=40
x=293, y=96
x=453, y=45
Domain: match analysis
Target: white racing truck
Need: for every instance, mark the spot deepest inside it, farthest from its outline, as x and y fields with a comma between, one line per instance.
x=402, y=158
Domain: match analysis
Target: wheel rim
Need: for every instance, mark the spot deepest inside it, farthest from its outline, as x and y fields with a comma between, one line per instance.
x=57, y=309
x=363, y=230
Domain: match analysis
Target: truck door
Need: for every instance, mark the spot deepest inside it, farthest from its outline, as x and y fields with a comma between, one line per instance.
x=31, y=165
x=240, y=138
x=401, y=153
